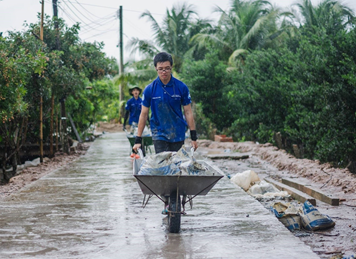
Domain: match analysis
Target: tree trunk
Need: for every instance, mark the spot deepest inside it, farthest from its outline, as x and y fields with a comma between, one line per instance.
x=57, y=131
x=64, y=125
x=51, y=153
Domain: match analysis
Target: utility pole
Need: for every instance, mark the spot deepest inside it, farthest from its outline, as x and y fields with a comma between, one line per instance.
x=41, y=98
x=55, y=17
x=121, y=74
x=121, y=43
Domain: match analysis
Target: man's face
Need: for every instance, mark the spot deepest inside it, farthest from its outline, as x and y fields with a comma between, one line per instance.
x=164, y=70
x=135, y=93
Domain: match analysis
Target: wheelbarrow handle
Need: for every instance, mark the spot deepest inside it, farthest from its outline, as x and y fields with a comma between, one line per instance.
x=192, y=151
x=140, y=153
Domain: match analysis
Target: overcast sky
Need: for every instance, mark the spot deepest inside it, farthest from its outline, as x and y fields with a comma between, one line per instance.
x=99, y=20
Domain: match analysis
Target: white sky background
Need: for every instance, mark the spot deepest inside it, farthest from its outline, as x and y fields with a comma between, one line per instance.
x=98, y=18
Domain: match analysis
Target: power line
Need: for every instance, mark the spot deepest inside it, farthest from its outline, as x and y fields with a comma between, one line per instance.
x=87, y=9
x=109, y=7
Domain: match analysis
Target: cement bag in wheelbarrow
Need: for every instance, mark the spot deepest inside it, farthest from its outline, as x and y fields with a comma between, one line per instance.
x=187, y=163
x=312, y=219
x=159, y=164
x=170, y=163
x=287, y=214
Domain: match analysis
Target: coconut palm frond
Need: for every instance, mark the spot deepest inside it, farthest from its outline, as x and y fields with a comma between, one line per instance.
x=144, y=47
x=203, y=40
x=236, y=54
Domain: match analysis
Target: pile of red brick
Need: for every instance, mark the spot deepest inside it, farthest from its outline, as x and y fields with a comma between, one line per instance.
x=222, y=138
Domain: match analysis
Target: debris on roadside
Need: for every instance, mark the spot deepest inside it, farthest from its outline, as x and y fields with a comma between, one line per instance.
x=306, y=216
x=312, y=219
x=287, y=214
x=253, y=185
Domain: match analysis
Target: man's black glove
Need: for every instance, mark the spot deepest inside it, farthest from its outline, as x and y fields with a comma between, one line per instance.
x=193, y=135
x=138, y=140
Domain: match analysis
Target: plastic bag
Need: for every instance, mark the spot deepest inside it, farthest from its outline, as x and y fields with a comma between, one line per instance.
x=266, y=190
x=245, y=179
x=159, y=164
x=145, y=133
x=170, y=163
x=312, y=219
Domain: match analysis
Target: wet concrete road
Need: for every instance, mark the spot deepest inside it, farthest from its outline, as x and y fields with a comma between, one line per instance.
x=92, y=209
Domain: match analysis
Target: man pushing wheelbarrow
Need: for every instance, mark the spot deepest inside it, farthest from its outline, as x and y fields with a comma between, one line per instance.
x=165, y=96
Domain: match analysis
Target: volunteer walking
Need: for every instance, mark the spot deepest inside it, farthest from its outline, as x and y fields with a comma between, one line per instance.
x=165, y=96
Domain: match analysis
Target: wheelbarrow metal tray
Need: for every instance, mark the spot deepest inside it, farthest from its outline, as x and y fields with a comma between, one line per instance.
x=147, y=140
x=188, y=184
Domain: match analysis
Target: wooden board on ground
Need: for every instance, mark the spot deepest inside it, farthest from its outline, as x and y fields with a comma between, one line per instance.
x=234, y=156
x=296, y=194
x=312, y=192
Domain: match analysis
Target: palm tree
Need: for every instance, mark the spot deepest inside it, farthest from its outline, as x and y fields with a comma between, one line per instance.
x=173, y=35
x=244, y=27
x=329, y=14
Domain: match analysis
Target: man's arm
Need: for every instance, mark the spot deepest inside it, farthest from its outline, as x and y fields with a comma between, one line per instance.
x=125, y=119
x=141, y=126
x=188, y=113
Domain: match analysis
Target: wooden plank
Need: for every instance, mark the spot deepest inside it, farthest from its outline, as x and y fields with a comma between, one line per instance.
x=312, y=192
x=228, y=156
x=296, y=194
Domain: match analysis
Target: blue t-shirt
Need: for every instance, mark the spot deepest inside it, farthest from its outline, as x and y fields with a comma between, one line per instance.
x=166, y=102
x=134, y=107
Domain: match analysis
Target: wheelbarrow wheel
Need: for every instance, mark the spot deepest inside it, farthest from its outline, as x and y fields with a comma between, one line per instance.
x=174, y=214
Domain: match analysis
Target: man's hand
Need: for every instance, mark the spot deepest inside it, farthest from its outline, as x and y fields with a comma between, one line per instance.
x=194, y=145
x=136, y=147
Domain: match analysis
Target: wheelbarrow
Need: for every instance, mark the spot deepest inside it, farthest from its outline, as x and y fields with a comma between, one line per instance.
x=146, y=142
x=176, y=189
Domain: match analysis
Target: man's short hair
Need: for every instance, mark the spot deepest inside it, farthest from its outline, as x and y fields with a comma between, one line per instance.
x=162, y=57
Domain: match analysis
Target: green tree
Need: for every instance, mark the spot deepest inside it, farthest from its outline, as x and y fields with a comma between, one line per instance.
x=244, y=27
x=207, y=83
x=331, y=15
x=173, y=36
x=17, y=64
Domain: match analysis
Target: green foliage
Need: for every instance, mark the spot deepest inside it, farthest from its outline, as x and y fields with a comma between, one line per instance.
x=174, y=34
x=60, y=66
x=206, y=81
x=306, y=91
x=204, y=126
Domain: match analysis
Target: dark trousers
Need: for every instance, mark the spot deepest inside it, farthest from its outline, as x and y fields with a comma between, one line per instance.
x=161, y=145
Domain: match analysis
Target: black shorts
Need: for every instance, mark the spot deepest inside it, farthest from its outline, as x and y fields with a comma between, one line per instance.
x=161, y=145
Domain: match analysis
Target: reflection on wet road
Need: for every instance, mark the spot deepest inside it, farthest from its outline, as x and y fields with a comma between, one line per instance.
x=92, y=209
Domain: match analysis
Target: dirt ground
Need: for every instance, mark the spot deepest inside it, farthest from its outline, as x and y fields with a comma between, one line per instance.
x=337, y=242
x=333, y=243
x=30, y=174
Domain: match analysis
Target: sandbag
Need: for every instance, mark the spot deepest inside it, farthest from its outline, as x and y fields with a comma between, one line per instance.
x=312, y=219
x=170, y=163
x=159, y=164
x=245, y=179
x=263, y=189
x=287, y=214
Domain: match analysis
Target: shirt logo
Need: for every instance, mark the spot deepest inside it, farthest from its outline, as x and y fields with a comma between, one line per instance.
x=157, y=97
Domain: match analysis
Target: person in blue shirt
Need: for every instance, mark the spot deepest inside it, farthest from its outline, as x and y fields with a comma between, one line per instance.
x=133, y=106
x=166, y=96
